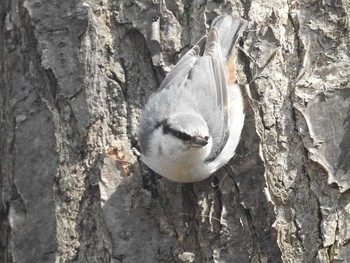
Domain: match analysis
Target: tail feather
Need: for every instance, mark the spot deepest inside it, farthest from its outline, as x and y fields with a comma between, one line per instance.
x=229, y=30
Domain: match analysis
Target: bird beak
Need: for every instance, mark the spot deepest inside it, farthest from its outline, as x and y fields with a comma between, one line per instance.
x=199, y=142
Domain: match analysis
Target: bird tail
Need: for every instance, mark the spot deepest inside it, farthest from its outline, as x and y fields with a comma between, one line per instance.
x=229, y=30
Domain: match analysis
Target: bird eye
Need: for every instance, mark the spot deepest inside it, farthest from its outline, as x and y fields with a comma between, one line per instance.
x=206, y=138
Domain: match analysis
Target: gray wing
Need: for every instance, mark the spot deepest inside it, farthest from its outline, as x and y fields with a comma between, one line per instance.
x=221, y=39
x=179, y=74
x=209, y=81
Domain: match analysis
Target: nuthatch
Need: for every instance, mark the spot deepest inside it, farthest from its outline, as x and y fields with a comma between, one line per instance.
x=192, y=125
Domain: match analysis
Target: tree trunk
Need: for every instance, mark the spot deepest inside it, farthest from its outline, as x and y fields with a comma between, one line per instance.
x=74, y=76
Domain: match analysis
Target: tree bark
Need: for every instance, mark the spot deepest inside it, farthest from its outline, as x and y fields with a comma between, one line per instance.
x=74, y=76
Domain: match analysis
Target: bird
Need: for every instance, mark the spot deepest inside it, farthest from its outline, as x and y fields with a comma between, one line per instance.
x=190, y=127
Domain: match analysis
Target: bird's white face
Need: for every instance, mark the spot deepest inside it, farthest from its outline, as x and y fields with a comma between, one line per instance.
x=196, y=144
x=184, y=132
x=179, y=146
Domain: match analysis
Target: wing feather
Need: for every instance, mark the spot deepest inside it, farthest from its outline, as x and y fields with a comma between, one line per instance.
x=181, y=70
x=209, y=81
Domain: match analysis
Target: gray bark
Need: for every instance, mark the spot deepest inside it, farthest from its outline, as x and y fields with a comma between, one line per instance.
x=74, y=76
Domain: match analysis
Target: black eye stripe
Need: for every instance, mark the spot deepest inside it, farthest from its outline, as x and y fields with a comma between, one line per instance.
x=168, y=130
x=180, y=135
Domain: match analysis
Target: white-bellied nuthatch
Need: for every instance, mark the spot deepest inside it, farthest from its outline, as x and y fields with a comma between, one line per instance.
x=192, y=125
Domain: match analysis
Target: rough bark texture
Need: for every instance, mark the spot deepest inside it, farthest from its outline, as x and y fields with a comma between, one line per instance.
x=74, y=76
